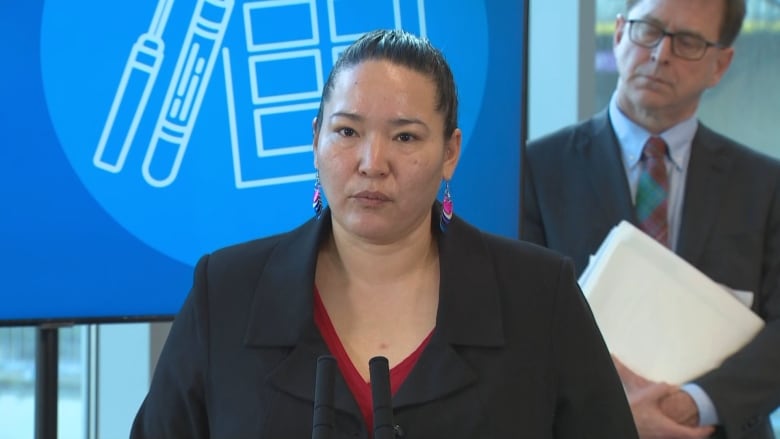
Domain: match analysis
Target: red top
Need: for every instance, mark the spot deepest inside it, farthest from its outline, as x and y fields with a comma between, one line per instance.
x=360, y=389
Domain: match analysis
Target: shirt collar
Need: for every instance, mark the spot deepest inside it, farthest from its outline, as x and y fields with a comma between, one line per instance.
x=633, y=137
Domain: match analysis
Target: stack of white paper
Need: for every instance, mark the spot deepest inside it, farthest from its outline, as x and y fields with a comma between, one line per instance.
x=659, y=315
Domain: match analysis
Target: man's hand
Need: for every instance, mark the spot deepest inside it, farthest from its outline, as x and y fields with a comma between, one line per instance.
x=660, y=411
x=679, y=406
x=651, y=421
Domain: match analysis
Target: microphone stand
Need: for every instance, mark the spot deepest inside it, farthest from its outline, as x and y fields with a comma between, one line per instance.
x=382, y=399
x=323, y=424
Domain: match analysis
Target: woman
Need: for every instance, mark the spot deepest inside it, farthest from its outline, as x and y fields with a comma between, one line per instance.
x=486, y=336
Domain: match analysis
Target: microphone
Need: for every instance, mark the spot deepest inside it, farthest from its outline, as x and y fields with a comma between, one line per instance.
x=379, y=370
x=323, y=418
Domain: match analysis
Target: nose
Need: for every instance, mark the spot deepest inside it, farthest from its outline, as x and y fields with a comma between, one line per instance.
x=373, y=157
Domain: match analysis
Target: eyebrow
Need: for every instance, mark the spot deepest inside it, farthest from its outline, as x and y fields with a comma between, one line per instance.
x=400, y=121
x=662, y=25
x=351, y=116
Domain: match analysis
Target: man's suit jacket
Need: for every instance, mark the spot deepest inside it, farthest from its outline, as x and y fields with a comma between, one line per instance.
x=576, y=190
x=515, y=352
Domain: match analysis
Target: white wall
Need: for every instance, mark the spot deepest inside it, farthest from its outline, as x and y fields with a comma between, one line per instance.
x=561, y=87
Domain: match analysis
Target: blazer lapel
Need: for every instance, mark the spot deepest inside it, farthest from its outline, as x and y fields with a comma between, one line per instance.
x=295, y=375
x=282, y=308
x=439, y=371
x=601, y=160
x=705, y=181
x=469, y=314
x=281, y=315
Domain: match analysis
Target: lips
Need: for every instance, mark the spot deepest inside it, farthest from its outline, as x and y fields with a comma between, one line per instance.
x=654, y=79
x=371, y=196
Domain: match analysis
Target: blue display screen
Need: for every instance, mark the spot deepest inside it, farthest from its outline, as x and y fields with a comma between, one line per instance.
x=136, y=136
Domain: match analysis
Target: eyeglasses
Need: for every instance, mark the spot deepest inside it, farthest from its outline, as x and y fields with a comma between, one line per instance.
x=684, y=44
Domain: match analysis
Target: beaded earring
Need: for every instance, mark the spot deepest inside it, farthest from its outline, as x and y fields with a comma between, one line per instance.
x=446, y=208
x=316, y=202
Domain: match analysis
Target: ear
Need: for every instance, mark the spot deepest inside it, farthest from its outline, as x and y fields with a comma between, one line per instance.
x=620, y=29
x=315, y=134
x=452, y=153
x=722, y=64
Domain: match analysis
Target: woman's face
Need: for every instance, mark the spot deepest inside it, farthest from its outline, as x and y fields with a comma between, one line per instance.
x=381, y=151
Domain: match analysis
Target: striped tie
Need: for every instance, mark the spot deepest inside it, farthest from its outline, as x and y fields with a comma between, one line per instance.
x=653, y=191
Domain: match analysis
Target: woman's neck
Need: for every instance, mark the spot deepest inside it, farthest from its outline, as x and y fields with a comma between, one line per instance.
x=381, y=299
x=357, y=261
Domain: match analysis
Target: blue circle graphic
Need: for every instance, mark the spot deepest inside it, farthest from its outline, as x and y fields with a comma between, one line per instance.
x=190, y=121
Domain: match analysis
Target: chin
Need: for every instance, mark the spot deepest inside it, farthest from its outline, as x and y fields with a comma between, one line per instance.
x=375, y=235
x=645, y=97
x=366, y=225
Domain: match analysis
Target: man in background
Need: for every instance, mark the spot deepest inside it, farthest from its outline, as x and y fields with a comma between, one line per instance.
x=647, y=159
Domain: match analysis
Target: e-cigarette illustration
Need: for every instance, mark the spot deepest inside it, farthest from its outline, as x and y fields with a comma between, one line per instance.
x=185, y=91
x=132, y=94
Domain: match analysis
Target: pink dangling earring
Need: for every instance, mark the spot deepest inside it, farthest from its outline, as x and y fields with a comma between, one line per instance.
x=446, y=208
x=316, y=202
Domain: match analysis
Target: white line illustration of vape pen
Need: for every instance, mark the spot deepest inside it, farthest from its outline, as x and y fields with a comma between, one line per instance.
x=185, y=92
x=132, y=94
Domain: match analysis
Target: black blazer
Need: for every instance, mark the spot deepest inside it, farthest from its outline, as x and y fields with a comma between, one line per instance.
x=515, y=352
x=576, y=190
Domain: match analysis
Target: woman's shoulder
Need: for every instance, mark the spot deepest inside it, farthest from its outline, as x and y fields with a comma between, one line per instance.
x=250, y=249
x=253, y=254
x=518, y=259
x=510, y=248
x=518, y=248
x=511, y=259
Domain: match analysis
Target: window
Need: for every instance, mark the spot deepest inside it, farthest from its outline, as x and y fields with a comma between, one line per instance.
x=17, y=383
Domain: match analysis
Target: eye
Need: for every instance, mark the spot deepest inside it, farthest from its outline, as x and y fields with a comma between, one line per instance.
x=689, y=41
x=346, y=132
x=406, y=137
x=650, y=32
